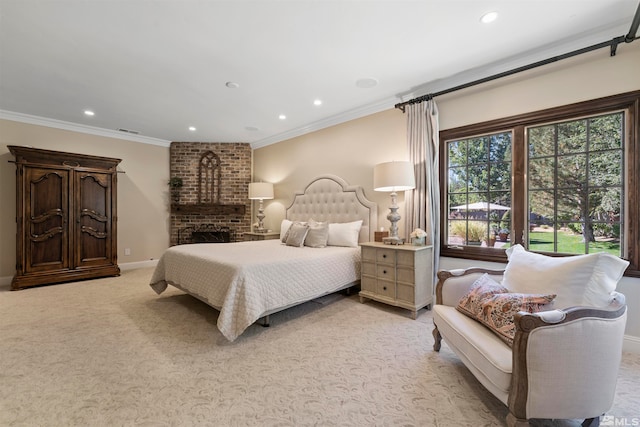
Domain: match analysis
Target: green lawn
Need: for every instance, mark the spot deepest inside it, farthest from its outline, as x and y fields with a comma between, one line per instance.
x=570, y=243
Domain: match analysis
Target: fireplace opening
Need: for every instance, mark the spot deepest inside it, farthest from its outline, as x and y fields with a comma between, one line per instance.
x=204, y=233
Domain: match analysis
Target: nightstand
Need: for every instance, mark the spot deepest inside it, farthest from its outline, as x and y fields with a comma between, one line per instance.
x=261, y=236
x=399, y=275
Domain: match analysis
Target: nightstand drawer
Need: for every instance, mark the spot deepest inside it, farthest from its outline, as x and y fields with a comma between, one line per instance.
x=368, y=284
x=368, y=268
x=405, y=259
x=386, y=256
x=386, y=289
x=406, y=275
x=385, y=272
x=369, y=254
x=406, y=293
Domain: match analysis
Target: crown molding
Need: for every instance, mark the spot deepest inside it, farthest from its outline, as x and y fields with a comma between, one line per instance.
x=355, y=113
x=549, y=51
x=586, y=39
x=75, y=127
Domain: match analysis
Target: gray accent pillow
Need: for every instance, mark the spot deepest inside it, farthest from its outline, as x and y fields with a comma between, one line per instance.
x=318, y=234
x=296, y=234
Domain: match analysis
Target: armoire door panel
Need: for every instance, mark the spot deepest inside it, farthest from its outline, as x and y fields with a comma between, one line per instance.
x=93, y=219
x=46, y=219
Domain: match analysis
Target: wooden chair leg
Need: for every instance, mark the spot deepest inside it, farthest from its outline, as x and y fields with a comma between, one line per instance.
x=437, y=338
x=591, y=422
x=512, y=421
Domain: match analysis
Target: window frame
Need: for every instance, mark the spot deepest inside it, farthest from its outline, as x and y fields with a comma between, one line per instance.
x=629, y=102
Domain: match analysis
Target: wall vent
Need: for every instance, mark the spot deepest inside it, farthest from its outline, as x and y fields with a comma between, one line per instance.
x=135, y=132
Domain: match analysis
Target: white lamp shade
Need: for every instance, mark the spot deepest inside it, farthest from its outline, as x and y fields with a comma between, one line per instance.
x=393, y=176
x=261, y=190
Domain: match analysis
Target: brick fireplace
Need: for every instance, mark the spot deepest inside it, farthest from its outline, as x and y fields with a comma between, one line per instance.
x=214, y=193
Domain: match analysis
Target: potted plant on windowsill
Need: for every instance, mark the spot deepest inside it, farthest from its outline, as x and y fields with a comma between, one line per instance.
x=503, y=235
x=476, y=233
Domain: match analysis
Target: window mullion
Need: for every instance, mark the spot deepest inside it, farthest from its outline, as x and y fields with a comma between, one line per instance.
x=518, y=185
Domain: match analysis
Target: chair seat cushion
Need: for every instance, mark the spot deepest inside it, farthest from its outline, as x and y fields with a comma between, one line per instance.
x=486, y=355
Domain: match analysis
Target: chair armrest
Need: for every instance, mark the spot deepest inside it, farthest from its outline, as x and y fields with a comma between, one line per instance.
x=565, y=362
x=453, y=284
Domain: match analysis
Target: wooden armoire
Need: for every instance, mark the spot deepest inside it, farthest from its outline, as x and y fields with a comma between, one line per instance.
x=65, y=217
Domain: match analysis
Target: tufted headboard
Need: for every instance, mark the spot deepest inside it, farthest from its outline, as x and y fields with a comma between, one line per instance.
x=329, y=198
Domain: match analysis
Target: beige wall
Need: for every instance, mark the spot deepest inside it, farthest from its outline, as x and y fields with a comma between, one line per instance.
x=142, y=190
x=349, y=150
x=352, y=149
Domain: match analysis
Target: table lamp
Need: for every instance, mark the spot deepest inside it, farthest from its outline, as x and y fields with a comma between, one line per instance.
x=260, y=191
x=393, y=176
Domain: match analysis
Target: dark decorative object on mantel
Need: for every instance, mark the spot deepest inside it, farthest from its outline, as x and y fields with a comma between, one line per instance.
x=175, y=184
x=209, y=183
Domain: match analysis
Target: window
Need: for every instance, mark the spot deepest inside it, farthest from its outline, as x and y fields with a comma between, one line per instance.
x=561, y=181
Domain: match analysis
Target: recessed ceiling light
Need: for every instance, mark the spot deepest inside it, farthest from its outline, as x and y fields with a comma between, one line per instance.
x=192, y=128
x=366, y=83
x=89, y=113
x=317, y=102
x=282, y=117
x=232, y=85
x=489, y=17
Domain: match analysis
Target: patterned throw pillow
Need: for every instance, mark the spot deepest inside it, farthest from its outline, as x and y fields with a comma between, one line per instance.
x=484, y=287
x=498, y=311
x=494, y=306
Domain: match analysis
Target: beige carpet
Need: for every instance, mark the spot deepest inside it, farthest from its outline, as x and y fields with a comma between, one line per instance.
x=110, y=352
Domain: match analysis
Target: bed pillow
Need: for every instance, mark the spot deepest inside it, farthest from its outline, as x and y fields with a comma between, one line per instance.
x=318, y=234
x=344, y=233
x=494, y=306
x=581, y=280
x=296, y=234
x=284, y=227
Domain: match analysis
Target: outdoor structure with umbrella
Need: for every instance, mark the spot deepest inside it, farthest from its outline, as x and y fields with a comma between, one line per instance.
x=480, y=210
x=481, y=206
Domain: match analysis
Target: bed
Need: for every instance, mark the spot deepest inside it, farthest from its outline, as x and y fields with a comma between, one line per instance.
x=247, y=281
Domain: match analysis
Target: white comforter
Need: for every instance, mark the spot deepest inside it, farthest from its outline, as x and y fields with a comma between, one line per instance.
x=247, y=280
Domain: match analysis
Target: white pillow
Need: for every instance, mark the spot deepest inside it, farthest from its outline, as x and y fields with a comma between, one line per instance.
x=318, y=234
x=584, y=280
x=344, y=233
x=284, y=227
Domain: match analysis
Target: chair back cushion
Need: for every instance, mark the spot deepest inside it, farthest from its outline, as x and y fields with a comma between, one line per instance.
x=582, y=280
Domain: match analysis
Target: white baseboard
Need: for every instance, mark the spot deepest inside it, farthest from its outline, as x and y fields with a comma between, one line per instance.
x=631, y=344
x=5, y=281
x=138, y=264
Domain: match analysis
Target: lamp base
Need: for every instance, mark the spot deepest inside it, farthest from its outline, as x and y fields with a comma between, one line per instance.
x=393, y=240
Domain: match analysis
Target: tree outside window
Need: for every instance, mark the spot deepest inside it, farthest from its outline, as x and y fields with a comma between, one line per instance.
x=563, y=181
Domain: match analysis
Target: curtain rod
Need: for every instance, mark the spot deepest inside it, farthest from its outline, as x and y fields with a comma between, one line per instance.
x=630, y=37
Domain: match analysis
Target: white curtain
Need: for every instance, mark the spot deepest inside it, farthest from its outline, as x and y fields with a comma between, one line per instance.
x=423, y=203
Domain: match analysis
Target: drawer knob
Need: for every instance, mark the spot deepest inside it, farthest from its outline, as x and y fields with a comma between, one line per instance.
x=384, y=255
x=384, y=271
x=384, y=288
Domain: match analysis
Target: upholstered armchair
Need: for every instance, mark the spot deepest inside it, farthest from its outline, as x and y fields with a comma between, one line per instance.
x=563, y=361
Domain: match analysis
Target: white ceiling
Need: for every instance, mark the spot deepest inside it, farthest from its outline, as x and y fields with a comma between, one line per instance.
x=158, y=67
